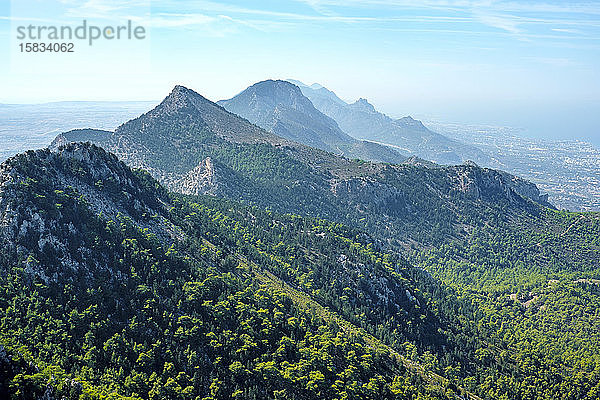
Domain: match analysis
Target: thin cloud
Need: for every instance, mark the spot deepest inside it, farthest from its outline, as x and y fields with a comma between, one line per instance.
x=26, y=19
x=493, y=6
x=106, y=9
x=513, y=18
x=506, y=23
x=573, y=31
x=166, y=20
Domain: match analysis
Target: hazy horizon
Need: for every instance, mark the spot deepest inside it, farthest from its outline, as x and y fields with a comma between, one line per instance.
x=522, y=122
x=533, y=65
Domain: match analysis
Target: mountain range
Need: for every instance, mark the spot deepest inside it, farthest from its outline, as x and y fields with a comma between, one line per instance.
x=192, y=253
x=281, y=108
x=566, y=170
x=362, y=121
x=194, y=146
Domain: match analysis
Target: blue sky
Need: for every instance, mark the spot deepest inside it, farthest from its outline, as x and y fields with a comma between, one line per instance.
x=531, y=64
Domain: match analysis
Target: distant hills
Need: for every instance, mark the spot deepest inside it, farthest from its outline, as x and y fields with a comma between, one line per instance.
x=362, y=121
x=281, y=108
x=33, y=126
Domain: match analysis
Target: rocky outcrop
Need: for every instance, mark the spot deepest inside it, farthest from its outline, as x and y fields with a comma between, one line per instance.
x=42, y=193
x=97, y=136
x=492, y=185
x=200, y=180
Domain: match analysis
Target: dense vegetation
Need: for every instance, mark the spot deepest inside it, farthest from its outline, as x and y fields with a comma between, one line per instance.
x=111, y=286
x=127, y=312
x=536, y=284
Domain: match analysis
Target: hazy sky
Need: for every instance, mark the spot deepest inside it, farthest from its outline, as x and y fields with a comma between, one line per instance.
x=531, y=64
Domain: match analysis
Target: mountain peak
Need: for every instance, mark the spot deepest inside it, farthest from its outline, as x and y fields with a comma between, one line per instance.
x=275, y=88
x=179, y=88
x=179, y=98
x=180, y=91
x=268, y=94
x=317, y=93
x=282, y=108
x=411, y=122
x=363, y=105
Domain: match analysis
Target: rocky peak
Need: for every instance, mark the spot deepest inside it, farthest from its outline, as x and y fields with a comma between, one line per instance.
x=363, y=105
x=317, y=91
x=85, y=168
x=179, y=98
x=419, y=162
x=280, y=107
x=410, y=122
x=492, y=185
x=273, y=93
x=80, y=135
x=49, y=198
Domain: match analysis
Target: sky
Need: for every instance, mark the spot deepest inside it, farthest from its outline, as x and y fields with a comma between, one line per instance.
x=528, y=64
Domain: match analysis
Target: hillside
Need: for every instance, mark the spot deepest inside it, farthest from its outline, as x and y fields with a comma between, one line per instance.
x=362, y=121
x=112, y=287
x=281, y=108
x=171, y=296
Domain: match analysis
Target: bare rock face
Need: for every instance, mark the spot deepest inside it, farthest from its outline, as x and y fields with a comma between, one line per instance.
x=525, y=188
x=200, y=180
x=363, y=192
x=492, y=185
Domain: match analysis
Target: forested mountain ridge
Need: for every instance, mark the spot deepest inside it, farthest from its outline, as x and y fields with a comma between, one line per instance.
x=112, y=287
x=141, y=289
x=510, y=277
x=281, y=108
x=194, y=146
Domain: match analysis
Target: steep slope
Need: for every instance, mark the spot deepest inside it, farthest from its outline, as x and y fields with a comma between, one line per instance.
x=362, y=121
x=406, y=203
x=281, y=108
x=111, y=287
